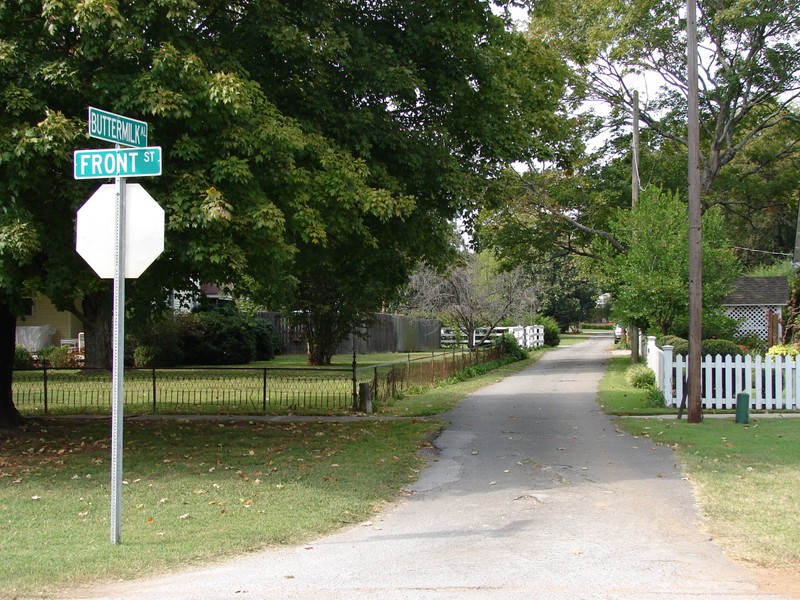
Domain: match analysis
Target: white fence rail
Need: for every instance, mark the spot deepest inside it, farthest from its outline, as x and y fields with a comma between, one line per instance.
x=528, y=336
x=772, y=382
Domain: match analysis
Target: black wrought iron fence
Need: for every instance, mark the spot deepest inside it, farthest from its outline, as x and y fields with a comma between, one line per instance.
x=244, y=390
x=388, y=380
x=190, y=390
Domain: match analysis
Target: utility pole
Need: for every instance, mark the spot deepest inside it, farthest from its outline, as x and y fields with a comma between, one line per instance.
x=633, y=330
x=694, y=413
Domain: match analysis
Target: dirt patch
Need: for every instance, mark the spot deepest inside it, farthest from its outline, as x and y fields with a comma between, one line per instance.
x=777, y=581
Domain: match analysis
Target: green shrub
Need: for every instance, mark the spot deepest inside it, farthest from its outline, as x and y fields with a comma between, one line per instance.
x=640, y=376
x=481, y=369
x=213, y=335
x=57, y=357
x=712, y=346
x=163, y=338
x=23, y=358
x=552, y=330
x=679, y=344
x=715, y=325
x=721, y=347
x=753, y=342
x=655, y=398
x=268, y=342
x=217, y=337
x=669, y=340
x=145, y=357
x=512, y=347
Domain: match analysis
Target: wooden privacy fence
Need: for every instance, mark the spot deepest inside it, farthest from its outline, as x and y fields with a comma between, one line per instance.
x=772, y=382
x=386, y=333
x=234, y=390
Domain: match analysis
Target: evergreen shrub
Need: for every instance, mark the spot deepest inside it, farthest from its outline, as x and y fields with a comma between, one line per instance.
x=552, y=330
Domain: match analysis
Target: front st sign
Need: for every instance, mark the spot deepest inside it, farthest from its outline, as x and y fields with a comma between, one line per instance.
x=118, y=162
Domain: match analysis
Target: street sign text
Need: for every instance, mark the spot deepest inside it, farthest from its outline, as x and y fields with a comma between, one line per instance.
x=117, y=129
x=122, y=162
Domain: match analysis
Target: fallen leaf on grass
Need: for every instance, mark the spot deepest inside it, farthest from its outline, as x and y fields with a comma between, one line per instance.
x=185, y=516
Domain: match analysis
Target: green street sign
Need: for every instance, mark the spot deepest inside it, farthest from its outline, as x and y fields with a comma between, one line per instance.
x=119, y=162
x=117, y=129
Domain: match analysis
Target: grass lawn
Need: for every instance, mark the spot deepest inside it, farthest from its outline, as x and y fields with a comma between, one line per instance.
x=617, y=397
x=193, y=491
x=197, y=491
x=746, y=477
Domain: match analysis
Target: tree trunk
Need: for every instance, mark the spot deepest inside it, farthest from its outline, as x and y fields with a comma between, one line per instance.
x=9, y=415
x=97, y=329
x=318, y=343
x=322, y=336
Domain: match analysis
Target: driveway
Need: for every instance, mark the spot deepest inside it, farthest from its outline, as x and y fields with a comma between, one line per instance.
x=533, y=494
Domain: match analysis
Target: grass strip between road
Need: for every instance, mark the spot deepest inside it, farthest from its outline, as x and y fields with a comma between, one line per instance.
x=746, y=476
x=198, y=491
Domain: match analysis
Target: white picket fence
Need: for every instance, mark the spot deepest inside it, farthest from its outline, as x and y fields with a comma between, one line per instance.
x=772, y=382
x=528, y=336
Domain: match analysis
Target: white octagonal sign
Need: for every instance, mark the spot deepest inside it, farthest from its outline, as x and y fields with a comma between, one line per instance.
x=143, y=235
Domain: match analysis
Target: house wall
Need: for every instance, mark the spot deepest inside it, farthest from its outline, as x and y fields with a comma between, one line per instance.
x=52, y=326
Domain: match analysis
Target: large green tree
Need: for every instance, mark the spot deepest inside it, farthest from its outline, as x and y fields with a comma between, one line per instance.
x=239, y=175
x=437, y=97
x=314, y=152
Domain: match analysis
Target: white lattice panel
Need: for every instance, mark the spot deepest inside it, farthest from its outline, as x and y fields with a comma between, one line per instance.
x=752, y=319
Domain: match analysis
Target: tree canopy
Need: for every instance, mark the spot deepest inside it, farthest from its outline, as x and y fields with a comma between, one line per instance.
x=650, y=279
x=749, y=86
x=314, y=152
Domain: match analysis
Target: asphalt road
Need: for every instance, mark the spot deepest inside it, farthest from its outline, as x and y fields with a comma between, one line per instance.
x=533, y=494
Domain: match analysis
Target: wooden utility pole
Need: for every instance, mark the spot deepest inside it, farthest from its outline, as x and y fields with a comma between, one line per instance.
x=633, y=330
x=694, y=413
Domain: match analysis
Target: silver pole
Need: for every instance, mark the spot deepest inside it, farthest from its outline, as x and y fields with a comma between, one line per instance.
x=118, y=367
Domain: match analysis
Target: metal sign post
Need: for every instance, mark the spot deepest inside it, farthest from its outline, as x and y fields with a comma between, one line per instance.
x=146, y=230
x=118, y=368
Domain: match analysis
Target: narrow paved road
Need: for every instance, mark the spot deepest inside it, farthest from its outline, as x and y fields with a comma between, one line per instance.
x=534, y=495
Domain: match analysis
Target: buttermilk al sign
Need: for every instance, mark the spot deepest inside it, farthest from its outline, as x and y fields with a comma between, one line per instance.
x=110, y=127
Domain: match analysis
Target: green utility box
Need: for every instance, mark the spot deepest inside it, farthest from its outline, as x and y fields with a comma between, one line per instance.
x=742, y=408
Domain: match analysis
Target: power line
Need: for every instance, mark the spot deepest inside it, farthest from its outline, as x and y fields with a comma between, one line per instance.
x=761, y=251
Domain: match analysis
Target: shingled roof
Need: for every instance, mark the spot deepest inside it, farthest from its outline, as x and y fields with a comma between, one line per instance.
x=758, y=291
